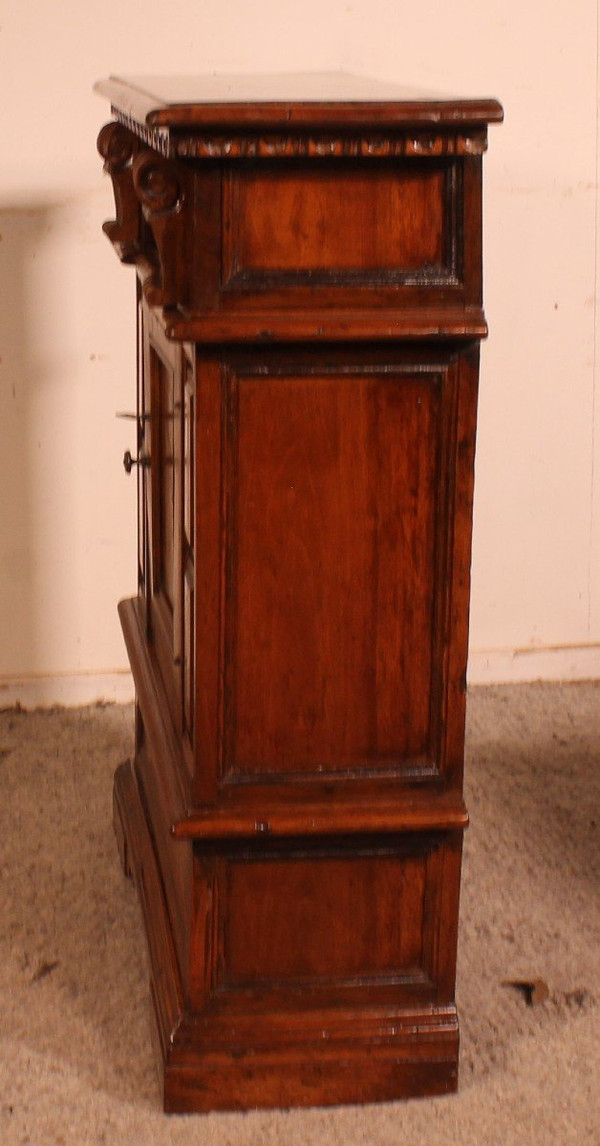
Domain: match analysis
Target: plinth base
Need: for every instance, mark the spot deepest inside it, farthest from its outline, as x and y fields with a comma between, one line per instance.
x=218, y=1061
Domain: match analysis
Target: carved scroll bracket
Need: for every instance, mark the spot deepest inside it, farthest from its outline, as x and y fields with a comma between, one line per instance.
x=149, y=192
x=118, y=147
x=160, y=185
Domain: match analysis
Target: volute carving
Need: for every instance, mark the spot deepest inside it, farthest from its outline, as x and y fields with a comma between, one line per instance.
x=118, y=147
x=159, y=184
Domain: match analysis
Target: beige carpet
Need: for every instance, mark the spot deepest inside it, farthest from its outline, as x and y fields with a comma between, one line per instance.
x=76, y=1064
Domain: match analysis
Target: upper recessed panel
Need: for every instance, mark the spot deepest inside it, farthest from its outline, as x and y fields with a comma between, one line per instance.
x=292, y=227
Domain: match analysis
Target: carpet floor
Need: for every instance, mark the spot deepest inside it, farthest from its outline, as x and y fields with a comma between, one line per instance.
x=76, y=1060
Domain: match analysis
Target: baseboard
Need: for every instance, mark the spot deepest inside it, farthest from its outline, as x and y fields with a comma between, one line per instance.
x=68, y=691
x=552, y=663
x=486, y=666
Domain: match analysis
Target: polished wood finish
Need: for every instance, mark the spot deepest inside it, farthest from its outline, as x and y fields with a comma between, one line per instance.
x=334, y=99
x=309, y=317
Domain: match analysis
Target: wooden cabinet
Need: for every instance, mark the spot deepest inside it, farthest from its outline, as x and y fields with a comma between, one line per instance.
x=309, y=318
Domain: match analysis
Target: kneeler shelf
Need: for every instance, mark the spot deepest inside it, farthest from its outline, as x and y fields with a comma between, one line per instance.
x=309, y=313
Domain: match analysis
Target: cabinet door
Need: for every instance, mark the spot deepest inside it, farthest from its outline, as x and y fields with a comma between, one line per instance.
x=162, y=510
x=143, y=476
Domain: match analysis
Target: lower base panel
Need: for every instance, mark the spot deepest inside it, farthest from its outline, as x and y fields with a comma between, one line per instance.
x=363, y=1077
x=392, y=1056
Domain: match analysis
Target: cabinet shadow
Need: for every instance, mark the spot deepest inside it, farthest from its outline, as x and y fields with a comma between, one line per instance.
x=25, y=372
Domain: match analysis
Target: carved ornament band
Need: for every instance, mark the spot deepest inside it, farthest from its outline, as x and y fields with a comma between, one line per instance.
x=316, y=145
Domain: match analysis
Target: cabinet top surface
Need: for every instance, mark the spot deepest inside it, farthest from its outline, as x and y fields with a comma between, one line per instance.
x=301, y=99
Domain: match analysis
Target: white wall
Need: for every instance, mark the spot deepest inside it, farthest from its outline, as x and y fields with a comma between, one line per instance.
x=67, y=313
